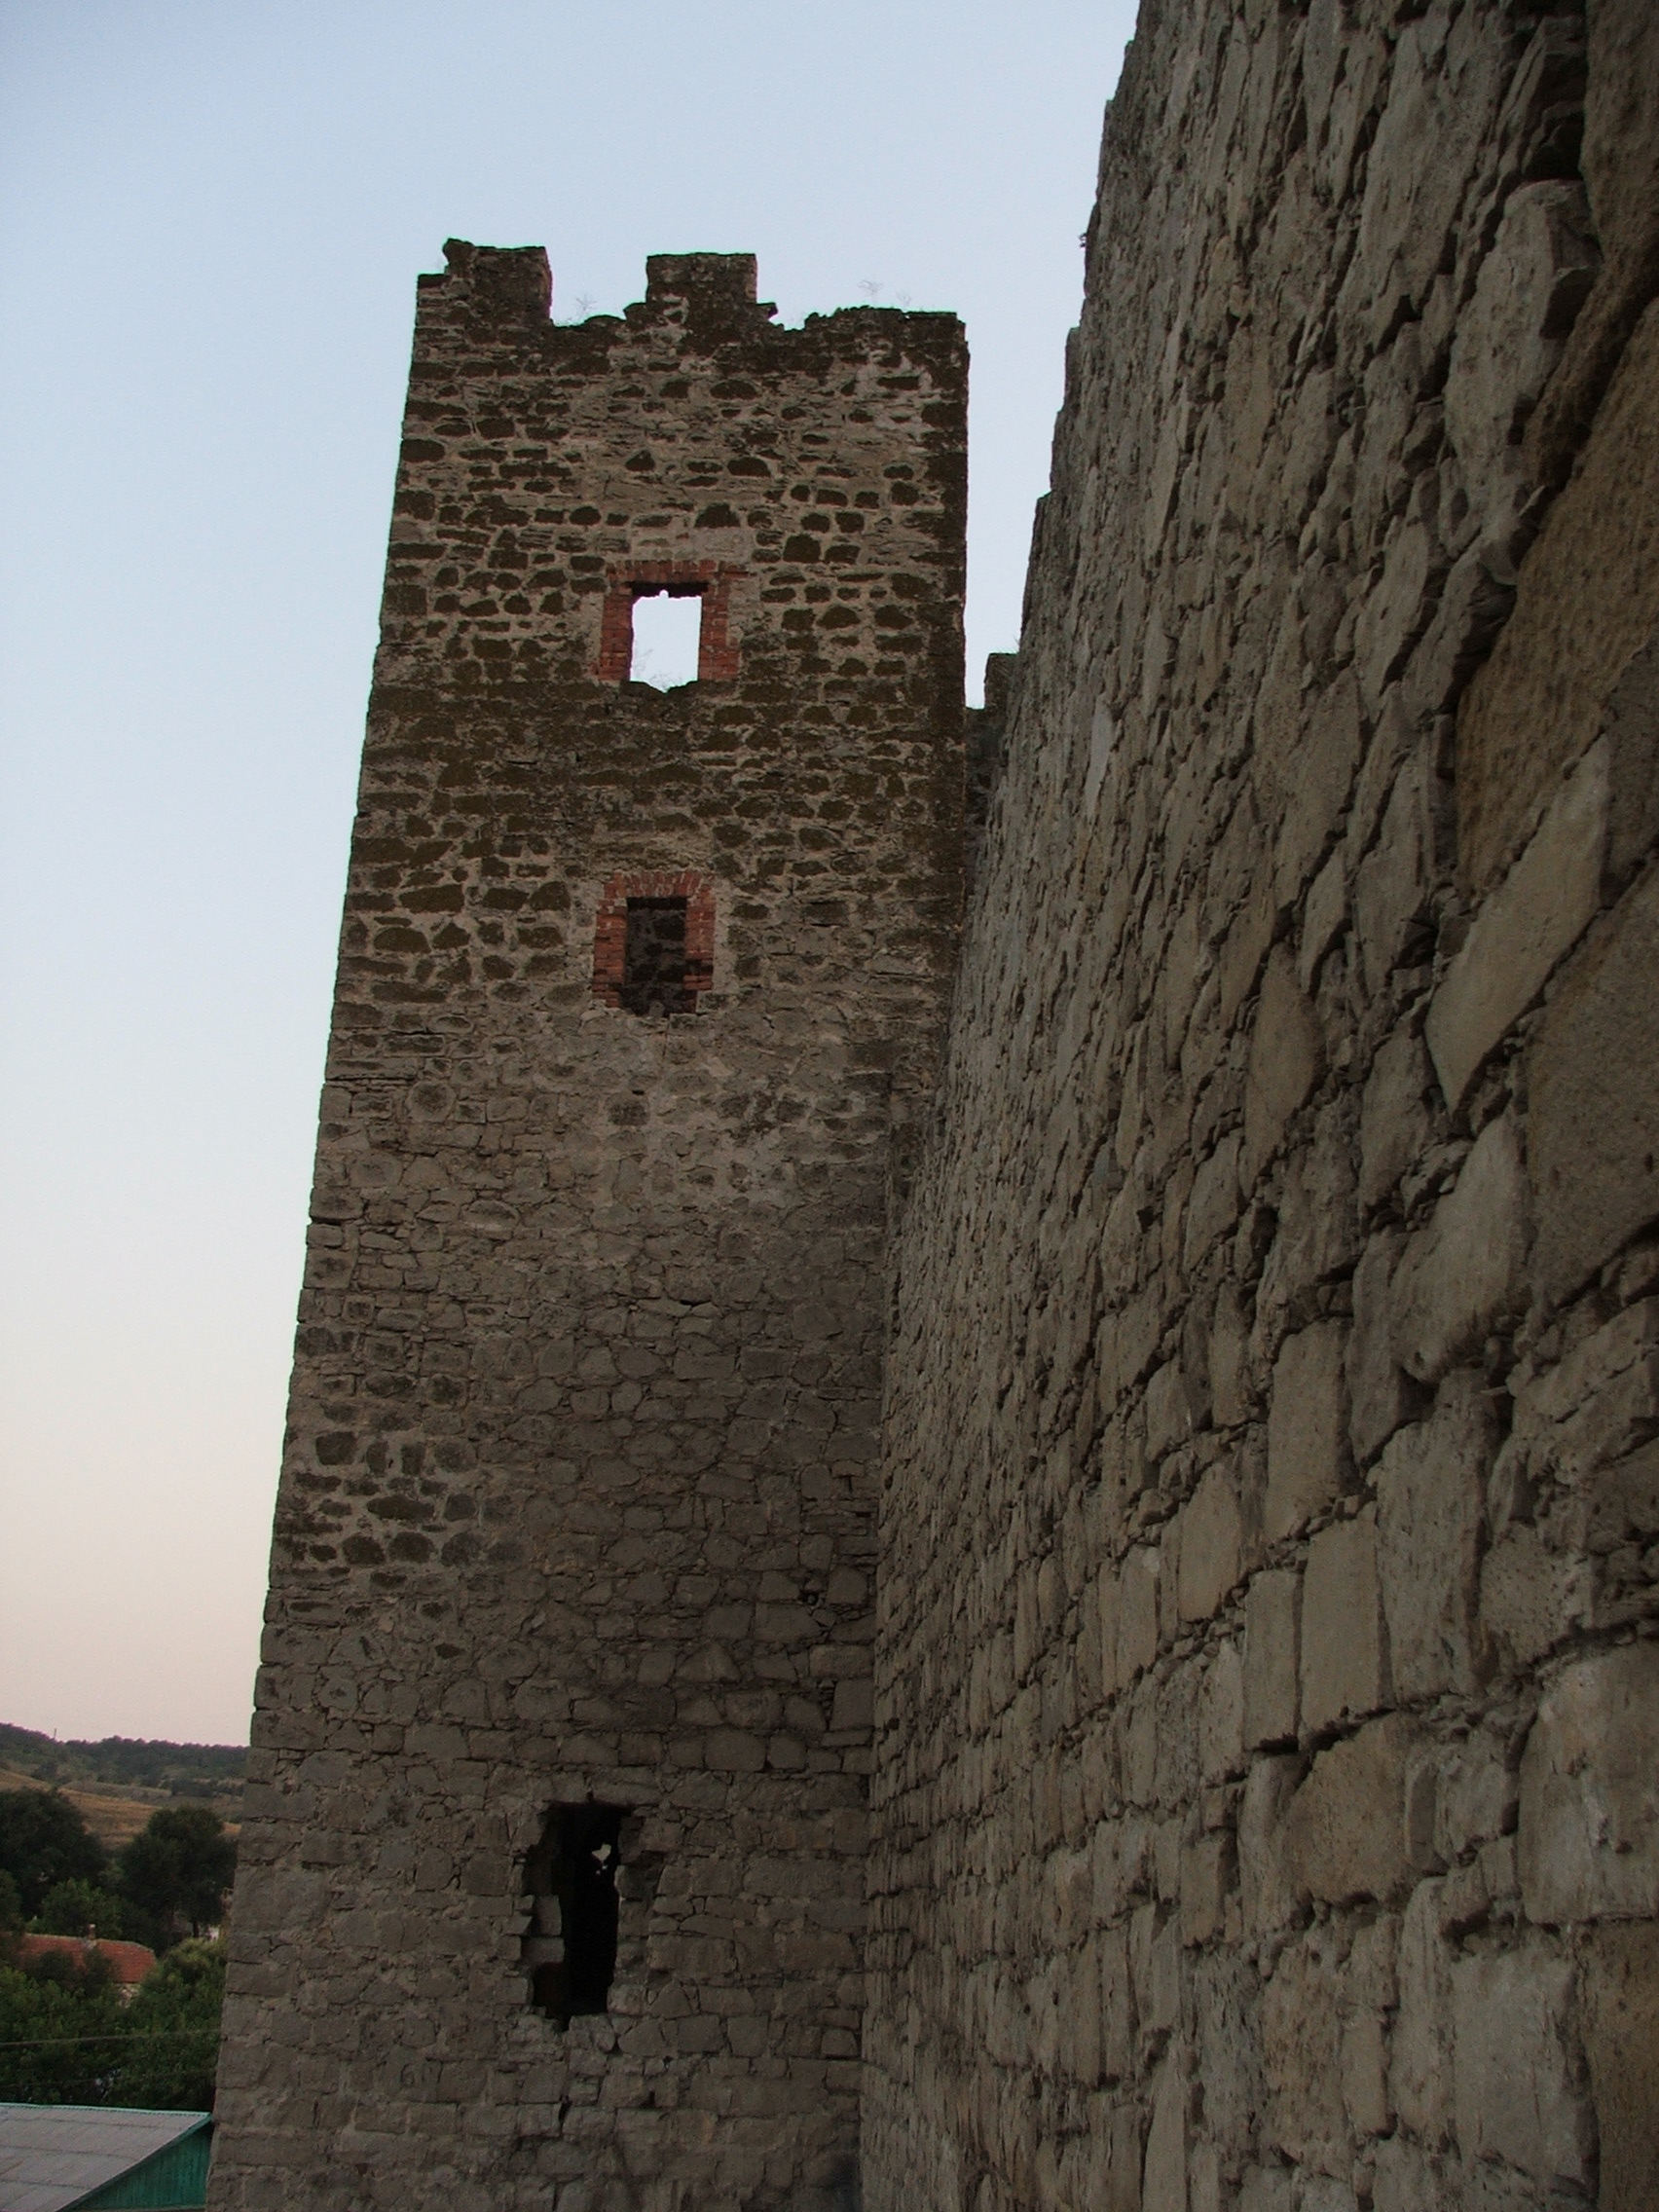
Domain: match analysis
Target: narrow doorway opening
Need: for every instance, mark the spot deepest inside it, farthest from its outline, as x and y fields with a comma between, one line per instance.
x=668, y=631
x=571, y=1947
x=653, y=958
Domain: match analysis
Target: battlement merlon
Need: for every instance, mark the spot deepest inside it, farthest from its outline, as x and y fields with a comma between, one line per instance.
x=712, y=295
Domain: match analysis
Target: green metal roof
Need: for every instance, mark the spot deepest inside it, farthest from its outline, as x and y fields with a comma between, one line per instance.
x=62, y=2157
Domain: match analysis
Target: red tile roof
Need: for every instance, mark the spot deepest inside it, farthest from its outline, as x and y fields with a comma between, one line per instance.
x=130, y=1962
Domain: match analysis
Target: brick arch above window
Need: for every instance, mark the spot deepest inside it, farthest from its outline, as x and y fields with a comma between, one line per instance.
x=610, y=928
x=628, y=580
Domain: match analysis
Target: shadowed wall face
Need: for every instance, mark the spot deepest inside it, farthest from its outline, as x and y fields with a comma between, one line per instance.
x=553, y=1874
x=1267, y=1702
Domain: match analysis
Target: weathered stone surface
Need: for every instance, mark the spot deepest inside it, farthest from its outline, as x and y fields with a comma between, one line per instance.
x=1465, y=1273
x=1420, y=2077
x=1593, y=1133
x=1286, y=1058
x=1307, y=1446
x=1517, y=2096
x=1137, y=1611
x=1336, y=255
x=1221, y=1715
x=1588, y=1841
x=1619, y=1989
x=1318, y=798
x=1621, y=170
x=1530, y=923
x=1266, y=1867
x=1381, y=1395
x=1430, y=1492
x=1346, y=1827
x=1587, y=602
x=1272, y=1656
x=1344, y=1654
x=1164, y=2184
x=1390, y=894
x=1393, y=1122
x=1527, y=1597
x=1307, y=2121
x=1211, y=1555
x=1532, y=284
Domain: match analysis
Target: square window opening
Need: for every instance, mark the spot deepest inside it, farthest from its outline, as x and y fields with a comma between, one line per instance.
x=668, y=634
x=653, y=958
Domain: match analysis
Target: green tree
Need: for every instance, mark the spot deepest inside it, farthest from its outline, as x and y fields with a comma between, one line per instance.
x=170, y=2053
x=78, y=1908
x=178, y=1868
x=62, y=2028
x=45, y=1841
x=11, y=1904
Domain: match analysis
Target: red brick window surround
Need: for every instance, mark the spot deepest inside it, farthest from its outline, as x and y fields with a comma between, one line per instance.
x=653, y=888
x=707, y=580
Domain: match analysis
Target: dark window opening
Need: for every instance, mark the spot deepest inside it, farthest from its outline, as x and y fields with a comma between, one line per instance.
x=653, y=958
x=571, y=1948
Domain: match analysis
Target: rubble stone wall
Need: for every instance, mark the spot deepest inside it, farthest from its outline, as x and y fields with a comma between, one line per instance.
x=1266, y=1690
x=578, y=1493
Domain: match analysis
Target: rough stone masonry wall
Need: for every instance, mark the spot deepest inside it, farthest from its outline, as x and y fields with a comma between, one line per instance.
x=1268, y=1698
x=578, y=1493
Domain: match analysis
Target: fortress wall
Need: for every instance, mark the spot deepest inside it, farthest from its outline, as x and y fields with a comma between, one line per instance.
x=579, y=1491
x=1266, y=1697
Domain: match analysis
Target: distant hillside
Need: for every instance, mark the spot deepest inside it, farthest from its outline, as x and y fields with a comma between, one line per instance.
x=181, y=1770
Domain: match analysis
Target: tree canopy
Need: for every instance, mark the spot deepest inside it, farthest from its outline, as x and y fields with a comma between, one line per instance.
x=66, y=2038
x=178, y=1869
x=45, y=1841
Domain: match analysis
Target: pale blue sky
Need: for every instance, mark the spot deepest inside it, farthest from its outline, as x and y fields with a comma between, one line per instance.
x=211, y=216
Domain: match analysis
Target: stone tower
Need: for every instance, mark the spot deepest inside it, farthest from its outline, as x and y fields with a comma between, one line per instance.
x=553, y=1875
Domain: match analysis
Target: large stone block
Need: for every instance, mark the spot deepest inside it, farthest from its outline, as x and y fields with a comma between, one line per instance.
x=1214, y=1206
x=1420, y=2061
x=1592, y=1132
x=1221, y=1715
x=1343, y=1656
x=1346, y=1829
x=1529, y=923
x=1516, y=2066
x=1287, y=1057
x=1430, y=1497
x=1393, y=1121
x=1621, y=168
x=1529, y=1596
x=1404, y=2179
x=1380, y=1394
x=1272, y=1621
x=1465, y=1273
x=1137, y=1611
x=1318, y=796
x=1266, y=1865
x=1391, y=891
x=1588, y=1842
x=1302, y=2059
x=1587, y=602
x=1307, y=1429
x=1210, y=1547
x=1532, y=284
x=1164, y=2188
x=1619, y=1983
